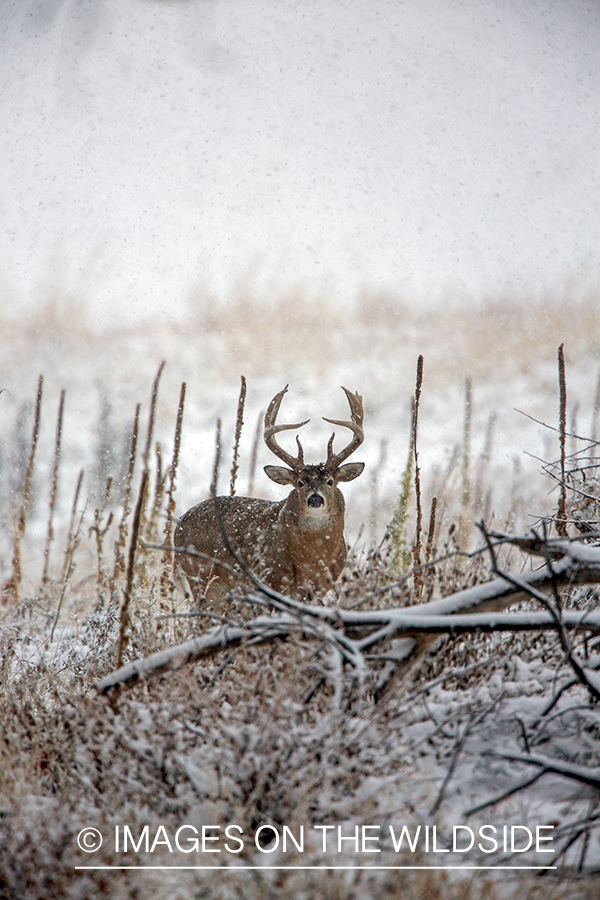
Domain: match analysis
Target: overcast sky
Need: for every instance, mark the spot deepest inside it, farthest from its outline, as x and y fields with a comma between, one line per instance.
x=423, y=146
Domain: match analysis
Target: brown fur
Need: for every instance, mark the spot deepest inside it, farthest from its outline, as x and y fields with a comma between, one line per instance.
x=295, y=546
x=292, y=547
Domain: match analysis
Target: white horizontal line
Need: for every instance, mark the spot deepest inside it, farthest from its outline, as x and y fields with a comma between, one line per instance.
x=267, y=868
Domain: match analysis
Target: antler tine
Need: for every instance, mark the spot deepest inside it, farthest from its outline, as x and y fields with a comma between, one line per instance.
x=271, y=429
x=334, y=460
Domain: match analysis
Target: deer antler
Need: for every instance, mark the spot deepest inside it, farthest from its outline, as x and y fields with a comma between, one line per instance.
x=334, y=460
x=271, y=429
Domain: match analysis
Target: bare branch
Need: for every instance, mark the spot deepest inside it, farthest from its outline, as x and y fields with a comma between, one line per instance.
x=582, y=774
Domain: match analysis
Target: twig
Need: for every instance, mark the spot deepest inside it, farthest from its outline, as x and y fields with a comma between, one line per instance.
x=557, y=616
x=394, y=533
x=509, y=793
x=582, y=774
x=352, y=631
x=579, y=437
x=474, y=719
x=175, y=657
x=587, y=832
x=562, y=690
x=159, y=489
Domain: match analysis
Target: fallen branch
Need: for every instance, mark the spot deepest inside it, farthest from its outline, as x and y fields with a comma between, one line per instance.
x=173, y=658
x=555, y=611
x=583, y=774
x=352, y=632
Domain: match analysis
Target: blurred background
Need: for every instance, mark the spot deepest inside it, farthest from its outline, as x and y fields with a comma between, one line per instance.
x=433, y=150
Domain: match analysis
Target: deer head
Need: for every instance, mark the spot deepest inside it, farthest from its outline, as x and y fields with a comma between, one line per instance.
x=315, y=485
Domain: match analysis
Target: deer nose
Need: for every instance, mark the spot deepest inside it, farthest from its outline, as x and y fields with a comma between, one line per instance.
x=315, y=500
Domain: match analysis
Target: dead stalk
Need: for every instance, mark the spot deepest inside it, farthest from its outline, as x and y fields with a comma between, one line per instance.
x=254, y=456
x=149, y=439
x=373, y=487
x=465, y=517
x=100, y=531
x=152, y=416
x=483, y=464
x=217, y=462
x=429, y=569
x=561, y=513
x=72, y=541
x=54, y=488
x=122, y=534
x=135, y=529
x=11, y=588
x=431, y=530
x=159, y=488
x=419, y=512
x=168, y=556
x=238, y=431
x=466, y=457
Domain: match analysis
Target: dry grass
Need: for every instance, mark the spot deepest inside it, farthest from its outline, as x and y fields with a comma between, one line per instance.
x=262, y=737
x=256, y=329
x=242, y=745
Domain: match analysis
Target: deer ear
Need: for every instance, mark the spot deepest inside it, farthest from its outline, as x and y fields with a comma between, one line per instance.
x=279, y=474
x=350, y=471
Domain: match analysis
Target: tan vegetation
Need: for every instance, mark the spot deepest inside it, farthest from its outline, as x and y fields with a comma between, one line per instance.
x=265, y=734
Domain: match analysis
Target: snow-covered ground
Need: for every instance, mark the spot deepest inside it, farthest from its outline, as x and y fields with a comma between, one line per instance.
x=381, y=766
x=106, y=374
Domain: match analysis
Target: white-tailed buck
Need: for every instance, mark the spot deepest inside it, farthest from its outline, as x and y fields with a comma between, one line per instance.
x=296, y=545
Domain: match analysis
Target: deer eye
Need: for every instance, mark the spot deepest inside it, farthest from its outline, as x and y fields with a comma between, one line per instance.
x=330, y=481
x=300, y=484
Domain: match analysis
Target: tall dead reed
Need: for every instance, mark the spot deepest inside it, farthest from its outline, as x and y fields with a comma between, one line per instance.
x=120, y=543
x=124, y=618
x=239, y=421
x=53, y=488
x=71, y=546
x=12, y=587
x=166, y=581
x=561, y=513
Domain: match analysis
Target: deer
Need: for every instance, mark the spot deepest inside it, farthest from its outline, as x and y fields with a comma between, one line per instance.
x=295, y=546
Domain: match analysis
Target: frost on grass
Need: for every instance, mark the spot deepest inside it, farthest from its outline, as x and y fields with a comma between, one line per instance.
x=487, y=728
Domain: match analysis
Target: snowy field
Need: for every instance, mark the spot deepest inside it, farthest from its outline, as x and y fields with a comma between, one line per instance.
x=507, y=350
x=242, y=745
x=312, y=195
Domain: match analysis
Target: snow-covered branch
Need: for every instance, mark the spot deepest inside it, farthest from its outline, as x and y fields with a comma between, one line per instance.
x=352, y=632
x=583, y=774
